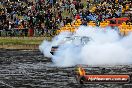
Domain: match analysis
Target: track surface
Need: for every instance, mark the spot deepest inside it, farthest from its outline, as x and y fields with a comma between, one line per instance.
x=30, y=69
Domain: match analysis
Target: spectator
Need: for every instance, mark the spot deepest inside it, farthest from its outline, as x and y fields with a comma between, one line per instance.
x=30, y=15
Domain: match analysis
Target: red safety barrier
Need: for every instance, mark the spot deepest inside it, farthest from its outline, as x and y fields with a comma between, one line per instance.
x=117, y=21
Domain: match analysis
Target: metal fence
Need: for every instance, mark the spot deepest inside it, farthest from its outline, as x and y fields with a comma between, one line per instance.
x=16, y=32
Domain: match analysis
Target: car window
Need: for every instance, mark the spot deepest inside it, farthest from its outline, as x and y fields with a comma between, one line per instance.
x=85, y=40
x=77, y=40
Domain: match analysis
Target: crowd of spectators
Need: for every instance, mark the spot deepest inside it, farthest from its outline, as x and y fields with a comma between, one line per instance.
x=107, y=9
x=40, y=17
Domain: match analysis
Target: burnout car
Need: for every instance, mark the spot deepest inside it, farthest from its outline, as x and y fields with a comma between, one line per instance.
x=75, y=40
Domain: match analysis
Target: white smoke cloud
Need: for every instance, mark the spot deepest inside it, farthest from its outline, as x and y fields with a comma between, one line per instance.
x=105, y=48
x=45, y=48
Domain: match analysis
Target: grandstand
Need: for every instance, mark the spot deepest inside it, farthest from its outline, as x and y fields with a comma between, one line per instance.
x=43, y=17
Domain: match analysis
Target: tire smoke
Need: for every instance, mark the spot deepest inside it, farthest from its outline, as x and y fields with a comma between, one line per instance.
x=107, y=47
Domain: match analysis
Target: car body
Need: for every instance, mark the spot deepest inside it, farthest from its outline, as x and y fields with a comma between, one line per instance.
x=77, y=41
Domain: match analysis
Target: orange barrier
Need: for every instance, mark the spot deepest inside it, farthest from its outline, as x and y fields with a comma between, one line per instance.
x=91, y=23
x=125, y=29
x=120, y=22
